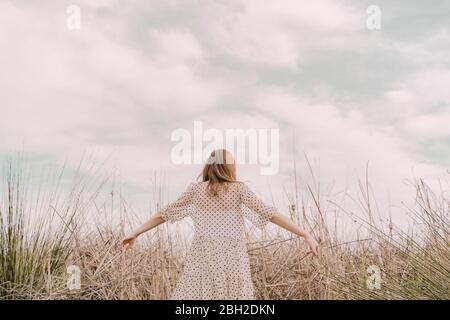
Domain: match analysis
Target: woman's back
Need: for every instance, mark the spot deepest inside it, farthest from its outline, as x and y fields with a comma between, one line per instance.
x=220, y=215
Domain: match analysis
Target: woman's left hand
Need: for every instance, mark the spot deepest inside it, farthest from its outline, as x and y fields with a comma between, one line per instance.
x=313, y=245
x=128, y=241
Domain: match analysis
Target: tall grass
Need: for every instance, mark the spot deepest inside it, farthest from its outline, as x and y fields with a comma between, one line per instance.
x=29, y=251
x=42, y=233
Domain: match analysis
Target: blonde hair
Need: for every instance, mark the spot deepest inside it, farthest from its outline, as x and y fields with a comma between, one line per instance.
x=218, y=170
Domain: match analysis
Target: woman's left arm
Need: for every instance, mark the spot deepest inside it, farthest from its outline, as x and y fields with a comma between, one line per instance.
x=285, y=223
x=172, y=212
x=154, y=221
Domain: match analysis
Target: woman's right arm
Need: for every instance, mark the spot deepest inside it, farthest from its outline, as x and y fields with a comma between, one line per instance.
x=269, y=213
x=284, y=222
x=154, y=221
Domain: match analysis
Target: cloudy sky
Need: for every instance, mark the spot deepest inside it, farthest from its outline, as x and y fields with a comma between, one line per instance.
x=338, y=92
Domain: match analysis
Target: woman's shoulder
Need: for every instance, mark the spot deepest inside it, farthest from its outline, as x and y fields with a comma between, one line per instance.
x=196, y=185
x=240, y=186
x=235, y=185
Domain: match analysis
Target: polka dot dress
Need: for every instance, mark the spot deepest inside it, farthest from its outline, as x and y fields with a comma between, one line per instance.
x=217, y=266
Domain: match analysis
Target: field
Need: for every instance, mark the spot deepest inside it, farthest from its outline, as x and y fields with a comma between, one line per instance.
x=43, y=231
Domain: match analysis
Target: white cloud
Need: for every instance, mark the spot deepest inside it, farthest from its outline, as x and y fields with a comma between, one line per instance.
x=275, y=34
x=61, y=87
x=419, y=107
x=342, y=145
x=429, y=126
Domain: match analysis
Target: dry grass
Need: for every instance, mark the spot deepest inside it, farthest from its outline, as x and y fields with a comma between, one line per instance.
x=36, y=252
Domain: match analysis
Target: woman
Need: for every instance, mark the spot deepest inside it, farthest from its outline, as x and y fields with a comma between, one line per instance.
x=217, y=266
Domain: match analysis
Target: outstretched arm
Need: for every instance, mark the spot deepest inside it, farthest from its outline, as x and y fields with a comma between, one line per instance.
x=154, y=221
x=269, y=213
x=172, y=212
x=285, y=223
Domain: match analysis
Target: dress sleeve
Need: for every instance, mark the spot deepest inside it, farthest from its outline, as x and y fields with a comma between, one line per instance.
x=180, y=208
x=254, y=209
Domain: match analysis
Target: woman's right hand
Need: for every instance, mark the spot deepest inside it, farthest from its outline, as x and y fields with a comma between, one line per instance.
x=128, y=241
